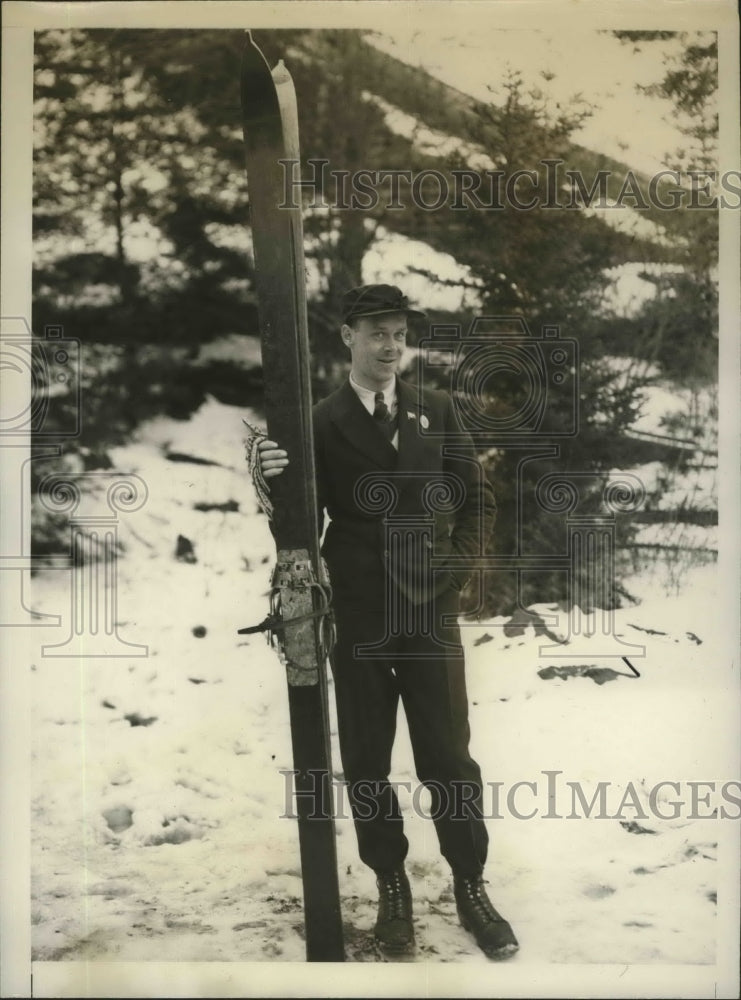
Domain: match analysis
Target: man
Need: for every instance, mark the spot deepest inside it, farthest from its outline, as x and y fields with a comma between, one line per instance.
x=402, y=487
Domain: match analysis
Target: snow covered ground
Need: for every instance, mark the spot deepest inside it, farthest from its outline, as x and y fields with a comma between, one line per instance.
x=157, y=789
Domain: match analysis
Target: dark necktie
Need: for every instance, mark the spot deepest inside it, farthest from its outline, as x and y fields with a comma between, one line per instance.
x=383, y=418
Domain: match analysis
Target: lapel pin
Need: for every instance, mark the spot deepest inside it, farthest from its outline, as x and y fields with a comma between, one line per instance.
x=411, y=416
x=424, y=421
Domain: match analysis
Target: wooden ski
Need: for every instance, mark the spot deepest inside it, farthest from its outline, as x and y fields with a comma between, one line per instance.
x=270, y=125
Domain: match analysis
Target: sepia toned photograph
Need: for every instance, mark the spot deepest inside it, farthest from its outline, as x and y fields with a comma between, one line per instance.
x=370, y=486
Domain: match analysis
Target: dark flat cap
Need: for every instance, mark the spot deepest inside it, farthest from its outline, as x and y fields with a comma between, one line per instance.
x=371, y=300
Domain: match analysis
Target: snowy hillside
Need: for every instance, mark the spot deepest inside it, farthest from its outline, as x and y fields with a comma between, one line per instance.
x=157, y=785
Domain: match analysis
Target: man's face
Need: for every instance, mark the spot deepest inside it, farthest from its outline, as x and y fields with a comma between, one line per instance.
x=376, y=345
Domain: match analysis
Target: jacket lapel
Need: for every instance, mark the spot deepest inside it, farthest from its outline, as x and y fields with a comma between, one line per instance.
x=414, y=444
x=358, y=426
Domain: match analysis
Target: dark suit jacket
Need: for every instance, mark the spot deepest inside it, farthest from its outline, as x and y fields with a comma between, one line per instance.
x=391, y=511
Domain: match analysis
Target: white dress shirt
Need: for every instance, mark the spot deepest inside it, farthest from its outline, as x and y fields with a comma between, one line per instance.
x=368, y=398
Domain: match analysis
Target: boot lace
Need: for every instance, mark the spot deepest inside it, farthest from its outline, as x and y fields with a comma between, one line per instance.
x=475, y=893
x=394, y=895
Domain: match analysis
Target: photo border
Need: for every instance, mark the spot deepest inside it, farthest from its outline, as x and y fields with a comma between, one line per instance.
x=20, y=977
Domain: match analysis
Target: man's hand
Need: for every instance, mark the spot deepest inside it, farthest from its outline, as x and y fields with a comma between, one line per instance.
x=273, y=459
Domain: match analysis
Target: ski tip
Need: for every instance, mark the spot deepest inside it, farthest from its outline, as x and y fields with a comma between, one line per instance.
x=280, y=73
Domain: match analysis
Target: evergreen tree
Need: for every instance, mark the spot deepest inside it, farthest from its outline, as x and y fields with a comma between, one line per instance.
x=679, y=326
x=549, y=268
x=139, y=144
